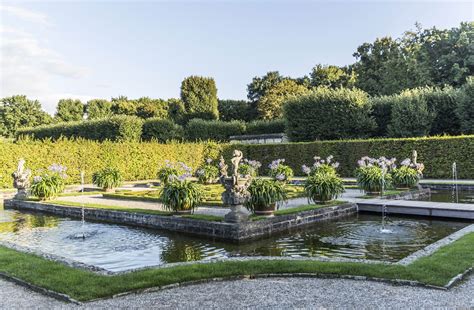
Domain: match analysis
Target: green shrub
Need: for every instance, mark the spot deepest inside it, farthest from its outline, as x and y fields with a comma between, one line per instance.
x=115, y=128
x=443, y=103
x=264, y=193
x=236, y=110
x=181, y=196
x=107, y=178
x=323, y=187
x=373, y=174
x=162, y=130
x=382, y=113
x=329, y=114
x=410, y=115
x=465, y=109
x=265, y=127
x=198, y=129
x=437, y=153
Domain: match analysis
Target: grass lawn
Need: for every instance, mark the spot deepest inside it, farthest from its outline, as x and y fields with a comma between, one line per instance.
x=436, y=269
x=212, y=194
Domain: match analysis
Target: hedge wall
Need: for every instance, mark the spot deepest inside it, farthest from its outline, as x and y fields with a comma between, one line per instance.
x=115, y=128
x=198, y=129
x=265, y=127
x=437, y=153
x=162, y=130
x=135, y=160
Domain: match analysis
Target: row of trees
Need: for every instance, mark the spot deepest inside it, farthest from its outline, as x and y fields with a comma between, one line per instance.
x=387, y=66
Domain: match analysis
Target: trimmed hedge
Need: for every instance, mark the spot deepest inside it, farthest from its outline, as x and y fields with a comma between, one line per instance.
x=134, y=160
x=202, y=130
x=162, y=130
x=437, y=153
x=265, y=127
x=327, y=114
x=115, y=128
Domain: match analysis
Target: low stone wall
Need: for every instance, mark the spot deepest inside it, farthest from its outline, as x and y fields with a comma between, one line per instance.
x=218, y=230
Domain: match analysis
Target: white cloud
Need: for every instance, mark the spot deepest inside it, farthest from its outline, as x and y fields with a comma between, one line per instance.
x=26, y=15
x=29, y=67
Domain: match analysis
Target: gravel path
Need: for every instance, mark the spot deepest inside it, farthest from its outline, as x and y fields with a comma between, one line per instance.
x=265, y=293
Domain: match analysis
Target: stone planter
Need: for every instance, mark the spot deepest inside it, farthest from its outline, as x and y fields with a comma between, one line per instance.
x=183, y=212
x=266, y=210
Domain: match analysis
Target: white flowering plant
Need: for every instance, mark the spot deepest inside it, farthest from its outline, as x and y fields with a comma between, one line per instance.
x=50, y=183
x=179, y=194
x=408, y=174
x=279, y=171
x=208, y=172
x=249, y=167
x=321, y=165
x=374, y=174
x=172, y=171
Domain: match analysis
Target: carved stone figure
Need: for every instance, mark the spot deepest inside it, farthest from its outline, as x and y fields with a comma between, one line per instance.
x=21, y=180
x=414, y=157
x=235, y=193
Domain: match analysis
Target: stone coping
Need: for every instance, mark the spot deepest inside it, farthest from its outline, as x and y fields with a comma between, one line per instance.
x=234, y=232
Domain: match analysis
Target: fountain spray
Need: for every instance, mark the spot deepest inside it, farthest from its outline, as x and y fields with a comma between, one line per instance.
x=455, y=193
x=82, y=205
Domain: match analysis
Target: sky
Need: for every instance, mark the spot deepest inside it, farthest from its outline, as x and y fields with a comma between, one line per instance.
x=102, y=49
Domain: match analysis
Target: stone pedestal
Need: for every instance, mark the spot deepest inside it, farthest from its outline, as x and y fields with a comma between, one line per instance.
x=21, y=194
x=237, y=214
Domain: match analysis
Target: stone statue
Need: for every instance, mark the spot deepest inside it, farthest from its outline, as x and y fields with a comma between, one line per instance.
x=223, y=168
x=414, y=157
x=236, y=158
x=235, y=193
x=21, y=180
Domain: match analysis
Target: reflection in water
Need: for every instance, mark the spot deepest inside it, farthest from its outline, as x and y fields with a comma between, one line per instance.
x=118, y=248
x=447, y=196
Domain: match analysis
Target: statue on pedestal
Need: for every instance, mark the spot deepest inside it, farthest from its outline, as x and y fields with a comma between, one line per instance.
x=235, y=186
x=21, y=180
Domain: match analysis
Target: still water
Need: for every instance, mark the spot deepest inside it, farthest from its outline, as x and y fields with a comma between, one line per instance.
x=450, y=196
x=119, y=248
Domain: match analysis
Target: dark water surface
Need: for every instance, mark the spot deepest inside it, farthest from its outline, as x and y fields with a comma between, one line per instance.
x=450, y=196
x=119, y=248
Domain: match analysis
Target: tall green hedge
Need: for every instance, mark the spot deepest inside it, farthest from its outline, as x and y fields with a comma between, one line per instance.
x=264, y=127
x=162, y=130
x=198, y=129
x=329, y=114
x=115, y=128
x=437, y=153
x=135, y=160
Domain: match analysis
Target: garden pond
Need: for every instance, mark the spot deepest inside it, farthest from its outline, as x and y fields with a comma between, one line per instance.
x=121, y=248
x=443, y=195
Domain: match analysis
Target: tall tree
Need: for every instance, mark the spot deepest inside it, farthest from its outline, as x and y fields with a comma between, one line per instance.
x=270, y=106
x=98, y=108
x=69, y=110
x=123, y=105
x=19, y=111
x=260, y=85
x=331, y=76
x=199, y=95
x=147, y=107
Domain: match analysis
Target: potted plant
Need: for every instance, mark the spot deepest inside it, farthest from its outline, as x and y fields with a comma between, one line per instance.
x=207, y=173
x=181, y=196
x=323, y=187
x=264, y=194
x=279, y=171
x=321, y=166
x=408, y=174
x=172, y=170
x=373, y=175
x=107, y=178
x=50, y=183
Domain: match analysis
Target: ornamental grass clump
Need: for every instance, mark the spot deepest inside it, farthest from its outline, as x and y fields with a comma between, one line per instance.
x=180, y=195
x=107, y=178
x=264, y=196
x=374, y=175
x=173, y=170
x=249, y=167
x=323, y=184
x=279, y=171
x=207, y=173
x=408, y=174
x=50, y=183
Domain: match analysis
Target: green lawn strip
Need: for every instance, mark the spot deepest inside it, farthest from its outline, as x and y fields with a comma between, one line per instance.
x=298, y=209
x=82, y=285
x=69, y=194
x=114, y=208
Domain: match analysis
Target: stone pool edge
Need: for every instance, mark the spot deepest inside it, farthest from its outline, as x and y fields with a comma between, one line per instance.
x=234, y=232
